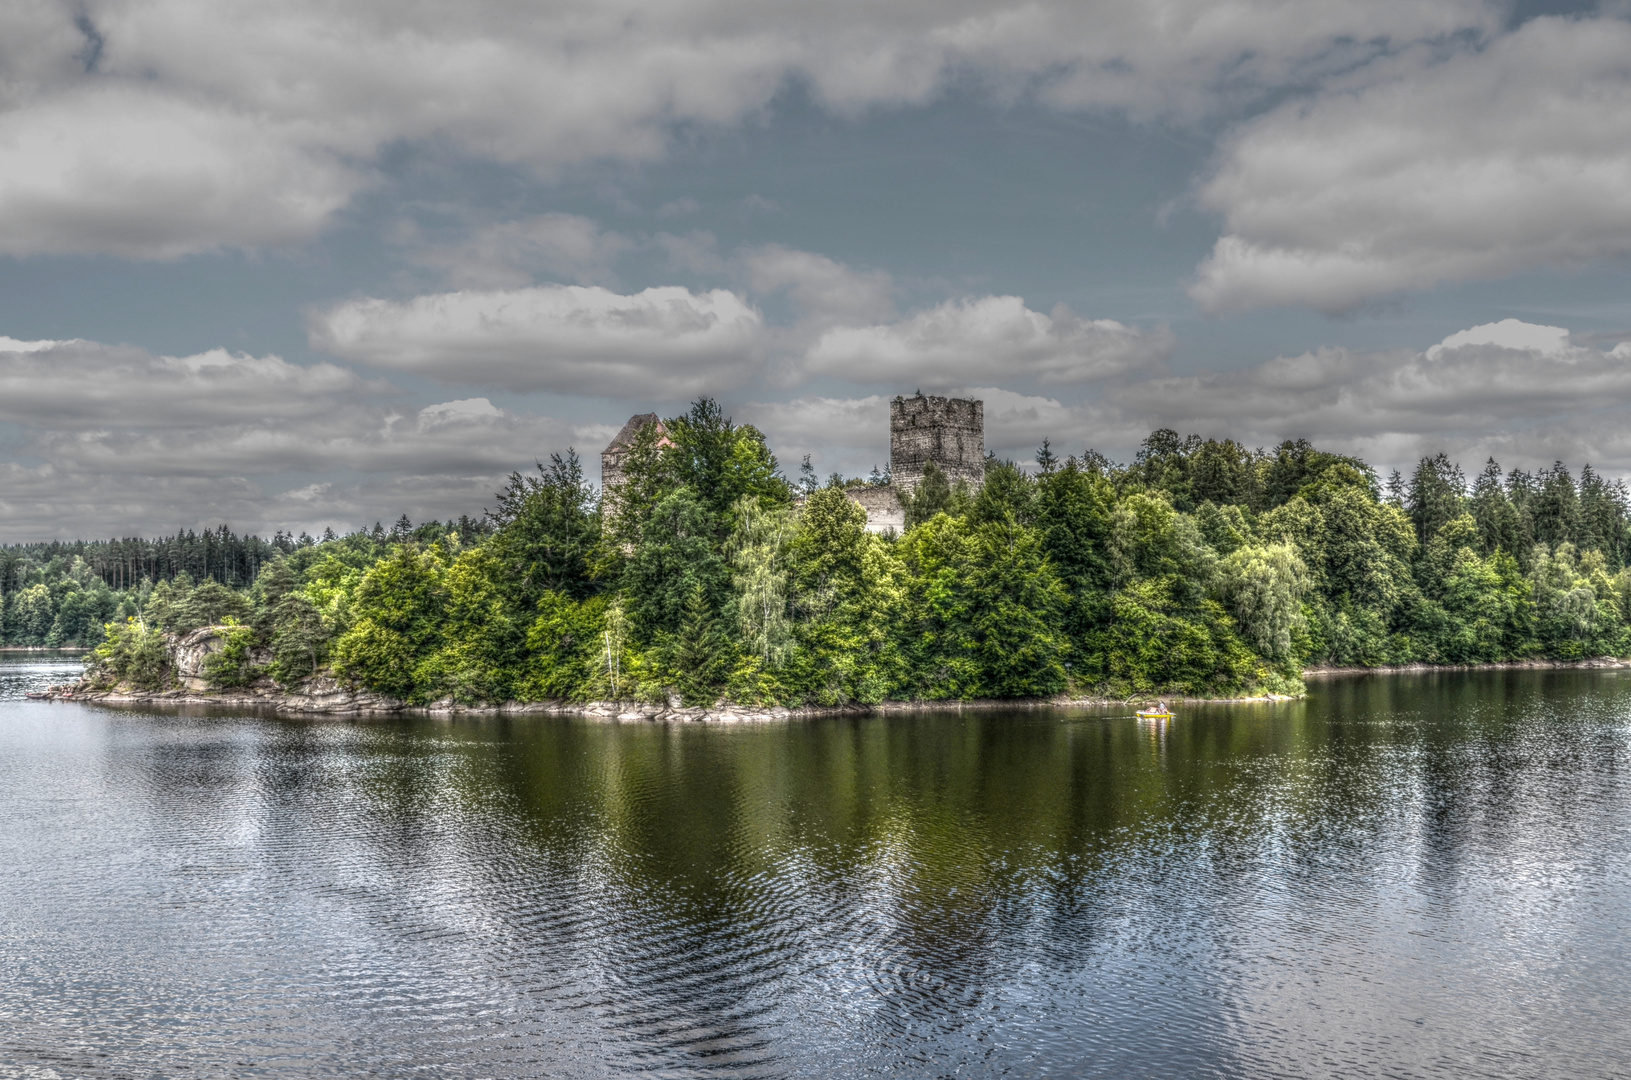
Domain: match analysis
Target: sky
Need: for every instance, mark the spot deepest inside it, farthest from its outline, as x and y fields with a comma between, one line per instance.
x=306, y=265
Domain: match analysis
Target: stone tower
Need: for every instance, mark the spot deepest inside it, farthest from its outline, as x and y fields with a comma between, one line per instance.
x=947, y=431
x=612, y=458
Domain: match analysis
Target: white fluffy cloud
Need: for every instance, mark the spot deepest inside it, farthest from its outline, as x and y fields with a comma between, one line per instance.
x=136, y=172
x=120, y=386
x=851, y=435
x=965, y=340
x=123, y=440
x=1514, y=389
x=661, y=343
x=173, y=126
x=1507, y=334
x=1419, y=170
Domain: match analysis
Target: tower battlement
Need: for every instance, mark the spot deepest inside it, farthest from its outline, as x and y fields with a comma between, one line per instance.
x=947, y=431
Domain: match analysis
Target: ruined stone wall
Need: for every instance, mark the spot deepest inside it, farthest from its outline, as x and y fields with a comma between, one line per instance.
x=947, y=431
x=611, y=468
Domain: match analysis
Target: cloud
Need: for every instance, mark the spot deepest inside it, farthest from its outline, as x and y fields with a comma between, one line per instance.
x=510, y=253
x=454, y=437
x=848, y=435
x=47, y=502
x=696, y=251
x=186, y=126
x=661, y=343
x=1507, y=334
x=1519, y=391
x=114, y=439
x=1016, y=424
x=1417, y=170
x=134, y=172
x=965, y=340
x=1510, y=388
x=121, y=386
x=12, y=345
x=348, y=467
x=684, y=206
x=821, y=288
x=851, y=435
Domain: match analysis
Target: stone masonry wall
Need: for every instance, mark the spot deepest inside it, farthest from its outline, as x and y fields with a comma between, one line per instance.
x=947, y=431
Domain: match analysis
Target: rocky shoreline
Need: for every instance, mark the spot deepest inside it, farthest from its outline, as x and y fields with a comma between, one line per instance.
x=327, y=697
x=323, y=695
x=1500, y=665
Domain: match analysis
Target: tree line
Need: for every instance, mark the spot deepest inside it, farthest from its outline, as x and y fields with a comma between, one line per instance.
x=61, y=593
x=1199, y=567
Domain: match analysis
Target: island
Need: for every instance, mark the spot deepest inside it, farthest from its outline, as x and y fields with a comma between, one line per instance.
x=699, y=579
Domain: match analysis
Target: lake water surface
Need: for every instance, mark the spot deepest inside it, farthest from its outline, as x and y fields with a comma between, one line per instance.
x=1401, y=876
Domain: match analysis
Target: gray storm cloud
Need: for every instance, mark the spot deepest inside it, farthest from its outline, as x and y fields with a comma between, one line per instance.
x=233, y=124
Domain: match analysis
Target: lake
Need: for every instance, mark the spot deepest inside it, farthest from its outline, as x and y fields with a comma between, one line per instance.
x=1400, y=875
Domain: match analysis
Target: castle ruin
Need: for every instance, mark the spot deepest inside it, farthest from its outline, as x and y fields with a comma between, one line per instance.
x=950, y=432
x=947, y=431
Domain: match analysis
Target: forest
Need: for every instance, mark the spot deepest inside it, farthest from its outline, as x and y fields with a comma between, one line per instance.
x=1200, y=567
x=60, y=594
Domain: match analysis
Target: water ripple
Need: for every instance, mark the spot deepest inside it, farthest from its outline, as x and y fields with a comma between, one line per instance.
x=1407, y=877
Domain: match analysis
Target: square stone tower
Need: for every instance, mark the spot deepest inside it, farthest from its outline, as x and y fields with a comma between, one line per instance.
x=947, y=431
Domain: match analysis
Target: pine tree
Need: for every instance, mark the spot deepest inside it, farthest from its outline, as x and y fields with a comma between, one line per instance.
x=696, y=651
x=1437, y=490
x=1499, y=526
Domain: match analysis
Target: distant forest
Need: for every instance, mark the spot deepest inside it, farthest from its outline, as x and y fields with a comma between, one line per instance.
x=1199, y=567
x=60, y=593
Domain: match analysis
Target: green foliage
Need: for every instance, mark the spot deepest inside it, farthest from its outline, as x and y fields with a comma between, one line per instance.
x=935, y=494
x=576, y=650
x=480, y=641
x=131, y=652
x=697, y=654
x=849, y=596
x=1437, y=491
x=722, y=465
x=759, y=557
x=546, y=532
x=987, y=611
x=677, y=558
x=180, y=607
x=1200, y=568
x=398, y=609
x=1154, y=644
x=230, y=666
x=1263, y=587
x=300, y=639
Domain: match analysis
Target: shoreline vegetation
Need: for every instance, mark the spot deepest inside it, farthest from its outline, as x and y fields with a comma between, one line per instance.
x=329, y=698
x=707, y=581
